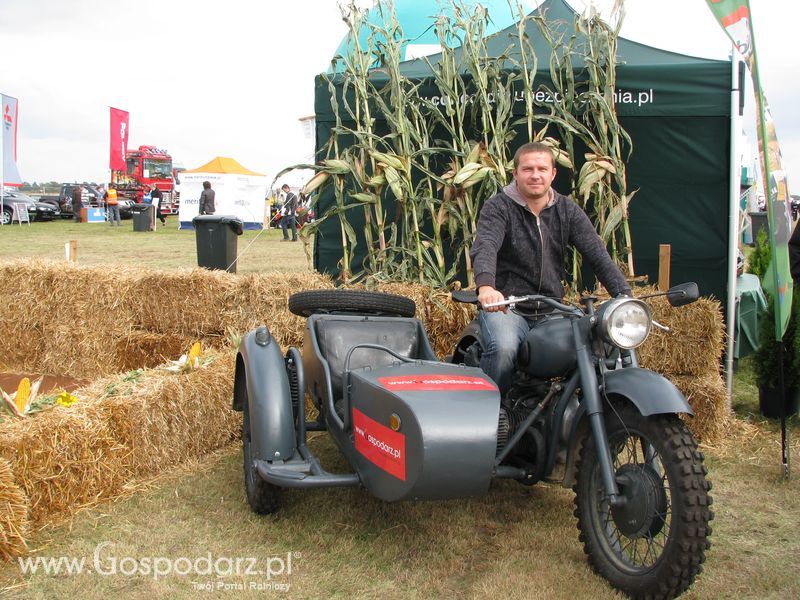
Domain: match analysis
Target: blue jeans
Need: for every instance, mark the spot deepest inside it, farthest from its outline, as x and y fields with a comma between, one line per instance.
x=289, y=221
x=113, y=214
x=502, y=334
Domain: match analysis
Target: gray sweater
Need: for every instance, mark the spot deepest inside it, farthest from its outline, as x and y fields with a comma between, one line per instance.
x=518, y=253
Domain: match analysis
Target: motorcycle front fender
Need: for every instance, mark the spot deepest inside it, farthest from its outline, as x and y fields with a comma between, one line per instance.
x=261, y=373
x=649, y=392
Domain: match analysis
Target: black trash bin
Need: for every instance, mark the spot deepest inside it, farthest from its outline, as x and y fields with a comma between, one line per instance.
x=143, y=219
x=216, y=241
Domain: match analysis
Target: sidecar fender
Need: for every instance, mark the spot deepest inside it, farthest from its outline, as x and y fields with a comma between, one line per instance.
x=650, y=393
x=261, y=381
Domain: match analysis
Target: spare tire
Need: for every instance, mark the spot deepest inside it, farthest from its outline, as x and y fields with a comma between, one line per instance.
x=313, y=302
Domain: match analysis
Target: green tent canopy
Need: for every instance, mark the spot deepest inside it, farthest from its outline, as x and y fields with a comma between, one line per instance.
x=677, y=111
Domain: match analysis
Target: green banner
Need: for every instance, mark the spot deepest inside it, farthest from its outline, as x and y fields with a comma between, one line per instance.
x=735, y=18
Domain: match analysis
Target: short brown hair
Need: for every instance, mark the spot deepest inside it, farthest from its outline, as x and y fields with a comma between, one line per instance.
x=533, y=147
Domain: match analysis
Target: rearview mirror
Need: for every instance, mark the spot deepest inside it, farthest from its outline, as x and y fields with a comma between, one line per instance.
x=684, y=293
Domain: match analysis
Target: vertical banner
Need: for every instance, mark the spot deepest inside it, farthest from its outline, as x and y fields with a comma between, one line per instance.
x=735, y=18
x=8, y=133
x=119, y=139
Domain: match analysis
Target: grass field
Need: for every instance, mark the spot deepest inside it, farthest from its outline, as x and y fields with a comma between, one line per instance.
x=166, y=248
x=518, y=542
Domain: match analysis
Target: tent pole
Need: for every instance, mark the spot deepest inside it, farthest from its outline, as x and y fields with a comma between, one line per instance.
x=733, y=221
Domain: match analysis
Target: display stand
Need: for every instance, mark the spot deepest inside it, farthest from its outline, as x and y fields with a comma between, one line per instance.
x=21, y=213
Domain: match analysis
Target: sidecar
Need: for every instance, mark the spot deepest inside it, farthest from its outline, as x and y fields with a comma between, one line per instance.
x=410, y=426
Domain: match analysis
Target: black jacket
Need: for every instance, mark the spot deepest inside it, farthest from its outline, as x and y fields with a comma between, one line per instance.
x=290, y=204
x=518, y=253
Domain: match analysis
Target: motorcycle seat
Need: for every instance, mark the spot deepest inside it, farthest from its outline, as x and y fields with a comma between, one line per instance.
x=337, y=335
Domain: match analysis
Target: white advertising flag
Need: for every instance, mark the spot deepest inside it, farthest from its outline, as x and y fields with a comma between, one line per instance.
x=9, y=142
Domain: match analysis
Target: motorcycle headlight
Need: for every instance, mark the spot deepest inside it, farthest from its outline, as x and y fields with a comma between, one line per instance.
x=625, y=322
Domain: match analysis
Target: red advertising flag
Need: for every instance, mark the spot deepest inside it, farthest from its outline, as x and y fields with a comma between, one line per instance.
x=119, y=139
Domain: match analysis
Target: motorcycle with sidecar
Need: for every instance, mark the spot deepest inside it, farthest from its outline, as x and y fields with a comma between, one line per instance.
x=413, y=427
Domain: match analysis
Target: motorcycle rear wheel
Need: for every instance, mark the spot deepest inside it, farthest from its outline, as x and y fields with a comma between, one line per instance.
x=654, y=545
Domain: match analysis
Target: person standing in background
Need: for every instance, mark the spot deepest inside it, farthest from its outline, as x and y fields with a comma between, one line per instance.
x=77, y=203
x=101, y=196
x=112, y=204
x=155, y=197
x=289, y=217
x=207, y=199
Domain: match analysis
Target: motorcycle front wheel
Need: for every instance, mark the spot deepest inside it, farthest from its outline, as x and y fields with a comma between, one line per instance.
x=653, y=545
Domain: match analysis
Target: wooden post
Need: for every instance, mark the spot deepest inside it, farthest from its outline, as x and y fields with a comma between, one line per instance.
x=71, y=250
x=664, y=254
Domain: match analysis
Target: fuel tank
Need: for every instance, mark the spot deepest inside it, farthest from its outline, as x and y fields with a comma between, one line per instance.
x=549, y=349
x=424, y=431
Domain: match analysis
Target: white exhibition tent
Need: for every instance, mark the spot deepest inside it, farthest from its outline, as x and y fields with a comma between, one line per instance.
x=239, y=192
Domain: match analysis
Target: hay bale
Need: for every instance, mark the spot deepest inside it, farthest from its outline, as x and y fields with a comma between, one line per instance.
x=695, y=344
x=14, y=525
x=63, y=459
x=70, y=313
x=708, y=397
x=165, y=418
x=264, y=299
x=188, y=302
x=122, y=428
x=74, y=314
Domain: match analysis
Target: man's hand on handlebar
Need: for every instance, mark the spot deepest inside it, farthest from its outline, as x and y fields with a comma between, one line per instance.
x=488, y=295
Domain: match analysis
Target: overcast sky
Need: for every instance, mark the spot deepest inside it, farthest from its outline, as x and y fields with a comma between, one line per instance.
x=205, y=79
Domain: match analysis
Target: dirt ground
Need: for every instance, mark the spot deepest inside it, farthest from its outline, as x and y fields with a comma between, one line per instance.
x=9, y=382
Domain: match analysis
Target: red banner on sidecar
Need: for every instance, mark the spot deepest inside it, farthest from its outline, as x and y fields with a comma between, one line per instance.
x=437, y=383
x=380, y=445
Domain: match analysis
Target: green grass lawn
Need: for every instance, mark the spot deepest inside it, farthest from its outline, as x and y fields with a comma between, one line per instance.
x=166, y=248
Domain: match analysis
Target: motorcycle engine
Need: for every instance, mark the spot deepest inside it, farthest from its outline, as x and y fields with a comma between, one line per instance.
x=529, y=452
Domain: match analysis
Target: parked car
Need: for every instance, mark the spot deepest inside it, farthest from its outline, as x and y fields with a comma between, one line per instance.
x=89, y=196
x=37, y=211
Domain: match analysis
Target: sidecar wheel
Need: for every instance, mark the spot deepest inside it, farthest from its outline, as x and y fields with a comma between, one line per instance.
x=311, y=302
x=653, y=545
x=263, y=497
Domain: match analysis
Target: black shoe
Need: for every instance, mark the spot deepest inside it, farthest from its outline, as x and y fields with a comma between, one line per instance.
x=294, y=240
x=286, y=240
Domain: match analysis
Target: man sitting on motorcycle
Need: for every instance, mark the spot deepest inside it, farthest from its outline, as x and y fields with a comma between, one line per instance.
x=520, y=249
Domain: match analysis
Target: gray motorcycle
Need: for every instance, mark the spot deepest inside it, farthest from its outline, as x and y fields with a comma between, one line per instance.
x=581, y=411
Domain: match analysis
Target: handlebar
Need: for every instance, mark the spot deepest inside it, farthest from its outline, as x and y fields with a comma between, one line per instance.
x=552, y=302
x=471, y=297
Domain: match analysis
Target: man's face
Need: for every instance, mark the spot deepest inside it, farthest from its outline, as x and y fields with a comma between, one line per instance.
x=534, y=175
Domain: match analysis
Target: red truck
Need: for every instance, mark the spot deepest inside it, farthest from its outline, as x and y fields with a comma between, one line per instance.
x=145, y=167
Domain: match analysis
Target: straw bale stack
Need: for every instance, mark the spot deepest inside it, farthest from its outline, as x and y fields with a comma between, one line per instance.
x=14, y=525
x=89, y=322
x=63, y=459
x=123, y=428
x=165, y=418
x=263, y=299
x=695, y=344
x=187, y=302
x=708, y=398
